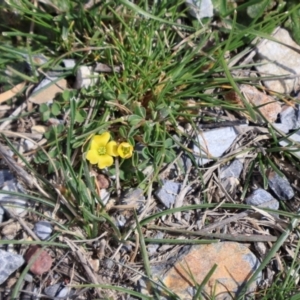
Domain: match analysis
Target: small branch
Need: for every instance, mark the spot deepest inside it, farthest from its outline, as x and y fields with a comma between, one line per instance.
x=230, y=237
x=92, y=278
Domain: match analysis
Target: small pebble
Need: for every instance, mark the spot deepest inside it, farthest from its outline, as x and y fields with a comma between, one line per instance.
x=28, y=277
x=213, y=143
x=103, y=181
x=234, y=169
x=57, y=291
x=200, y=8
x=109, y=264
x=14, y=203
x=10, y=230
x=261, y=197
x=85, y=77
x=281, y=127
x=168, y=192
x=43, y=229
x=25, y=146
x=134, y=197
x=95, y=263
x=104, y=195
x=9, y=263
x=42, y=263
x=295, y=137
x=280, y=186
x=152, y=248
x=288, y=117
x=69, y=63
x=278, y=57
x=127, y=248
x=5, y=175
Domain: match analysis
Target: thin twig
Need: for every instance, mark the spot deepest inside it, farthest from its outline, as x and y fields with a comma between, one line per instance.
x=141, y=216
x=230, y=237
x=180, y=197
x=90, y=241
x=85, y=264
x=17, y=111
x=23, y=224
x=15, y=168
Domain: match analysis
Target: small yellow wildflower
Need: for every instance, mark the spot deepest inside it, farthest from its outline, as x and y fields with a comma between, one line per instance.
x=125, y=150
x=102, y=151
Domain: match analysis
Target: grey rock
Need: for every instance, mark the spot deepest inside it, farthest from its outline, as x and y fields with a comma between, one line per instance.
x=58, y=291
x=213, y=143
x=134, y=197
x=5, y=175
x=34, y=61
x=280, y=186
x=232, y=170
x=43, y=229
x=281, y=127
x=230, y=177
x=288, y=117
x=108, y=263
x=28, y=277
x=66, y=66
x=168, y=192
x=69, y=63
x=297, y=113
x=25, y=145
x=186, y=162
x=260, y=197
x=181, y=166
x=55, y=121
x=14, y=203
x=9, y=263
x=104, y=195
x=273, y=60
x=200, y=8
x=152, y=248
x=120, y=220
x=103, y=68
x=295, y=137
x=85, y=77
x=127, y=247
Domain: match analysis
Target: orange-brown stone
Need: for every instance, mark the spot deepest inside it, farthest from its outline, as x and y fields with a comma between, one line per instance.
x=42, y=260
x=235, y=263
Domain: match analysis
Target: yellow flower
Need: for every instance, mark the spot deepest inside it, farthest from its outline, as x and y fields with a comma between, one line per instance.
x=125, y=150
x=102, y=151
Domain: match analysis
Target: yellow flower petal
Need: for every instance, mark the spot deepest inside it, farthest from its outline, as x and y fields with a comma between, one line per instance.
x=125, y=150
x=92, y=156
x=105, y=161
x=100, y=140
x=111, y=148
